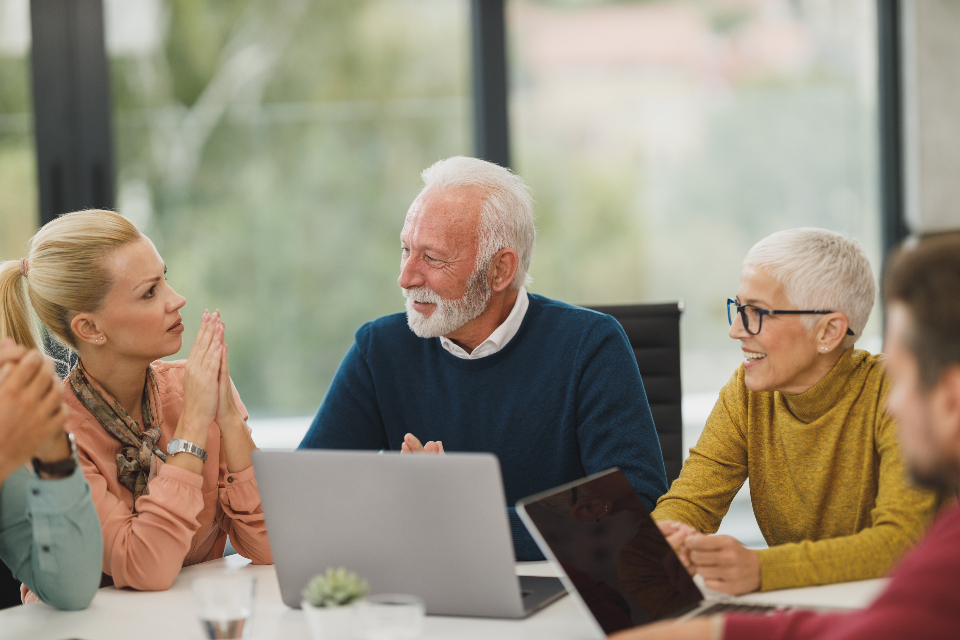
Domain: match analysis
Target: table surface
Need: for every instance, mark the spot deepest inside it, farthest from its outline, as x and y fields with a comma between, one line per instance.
x=122, y=614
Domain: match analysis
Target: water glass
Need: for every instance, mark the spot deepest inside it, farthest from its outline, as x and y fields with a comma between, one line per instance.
x=392, y=616
x=224, y=603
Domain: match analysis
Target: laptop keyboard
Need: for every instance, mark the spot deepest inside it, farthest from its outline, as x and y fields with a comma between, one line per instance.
x=739, y=607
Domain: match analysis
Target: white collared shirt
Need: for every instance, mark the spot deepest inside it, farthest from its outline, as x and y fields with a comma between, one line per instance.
x=499, y=338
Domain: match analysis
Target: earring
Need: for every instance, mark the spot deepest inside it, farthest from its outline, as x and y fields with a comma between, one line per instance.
x=100, y=338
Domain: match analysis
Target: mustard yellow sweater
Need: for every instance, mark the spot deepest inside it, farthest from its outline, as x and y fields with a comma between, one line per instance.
x=827, y=480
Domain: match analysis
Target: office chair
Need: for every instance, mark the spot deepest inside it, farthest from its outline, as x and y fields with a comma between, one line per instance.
x=9, y=588
x=654, y=334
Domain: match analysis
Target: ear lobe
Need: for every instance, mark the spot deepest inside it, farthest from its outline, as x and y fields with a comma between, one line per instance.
x=832, y=332
x=503, y=269
x=85, y=329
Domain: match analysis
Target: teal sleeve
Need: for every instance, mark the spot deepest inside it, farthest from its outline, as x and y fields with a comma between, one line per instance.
x=50, y=537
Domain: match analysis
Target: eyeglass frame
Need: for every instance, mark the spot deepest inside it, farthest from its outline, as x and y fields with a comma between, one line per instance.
x=767, y=312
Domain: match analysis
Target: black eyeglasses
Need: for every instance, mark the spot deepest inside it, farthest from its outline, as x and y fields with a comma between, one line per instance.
x=753, y=316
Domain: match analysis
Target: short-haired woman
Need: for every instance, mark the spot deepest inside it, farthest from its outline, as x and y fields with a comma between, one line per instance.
x=804, y=419
x=164, y=445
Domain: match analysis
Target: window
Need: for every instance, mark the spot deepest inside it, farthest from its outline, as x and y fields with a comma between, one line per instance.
x=18, y=160
x=271, y=151
x=662, y=139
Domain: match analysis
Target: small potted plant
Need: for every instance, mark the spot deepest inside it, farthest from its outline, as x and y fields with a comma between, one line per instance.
x=328, y=601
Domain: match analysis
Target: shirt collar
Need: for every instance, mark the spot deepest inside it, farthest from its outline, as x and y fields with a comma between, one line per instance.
x=501, y=335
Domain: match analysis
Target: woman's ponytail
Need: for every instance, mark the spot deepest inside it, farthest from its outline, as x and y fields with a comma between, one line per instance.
x=16, y=315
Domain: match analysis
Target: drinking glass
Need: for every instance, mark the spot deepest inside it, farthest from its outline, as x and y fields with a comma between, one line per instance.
x=392, y=616
x=224, y=603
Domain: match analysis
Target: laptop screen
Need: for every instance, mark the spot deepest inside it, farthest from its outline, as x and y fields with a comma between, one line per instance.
x=612, y=551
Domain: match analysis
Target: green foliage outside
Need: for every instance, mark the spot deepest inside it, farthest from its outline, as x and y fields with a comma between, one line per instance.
x=271, y=149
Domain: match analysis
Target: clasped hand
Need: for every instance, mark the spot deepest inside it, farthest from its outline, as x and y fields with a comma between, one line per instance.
x=724, y=564
x=411, y=444
x=207, y=390
x=32, y=411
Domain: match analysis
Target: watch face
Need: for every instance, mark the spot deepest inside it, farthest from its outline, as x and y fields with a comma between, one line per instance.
x=174, y=446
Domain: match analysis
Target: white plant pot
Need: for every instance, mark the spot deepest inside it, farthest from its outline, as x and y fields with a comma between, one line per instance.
x=330, y=623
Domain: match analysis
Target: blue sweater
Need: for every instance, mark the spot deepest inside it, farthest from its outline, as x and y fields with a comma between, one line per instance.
x=563, y=399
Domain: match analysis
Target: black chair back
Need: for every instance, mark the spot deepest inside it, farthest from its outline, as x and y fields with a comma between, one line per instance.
x=9, y=588
x=654, y=334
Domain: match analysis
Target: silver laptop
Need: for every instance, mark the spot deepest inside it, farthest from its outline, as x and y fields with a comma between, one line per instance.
x=432, y=526
x=613, y=558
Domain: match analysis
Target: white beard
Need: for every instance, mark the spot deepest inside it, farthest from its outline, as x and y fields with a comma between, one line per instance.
x=448, y=315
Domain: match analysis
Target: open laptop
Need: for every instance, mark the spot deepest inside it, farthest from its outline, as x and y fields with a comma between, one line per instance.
x=432, y=526
x=614, y=560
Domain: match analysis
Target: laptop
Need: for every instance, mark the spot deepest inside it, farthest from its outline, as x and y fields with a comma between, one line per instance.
x=432, y=526
x=613, y=559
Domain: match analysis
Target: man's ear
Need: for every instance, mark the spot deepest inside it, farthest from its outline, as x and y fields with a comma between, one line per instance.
x=84, y=327
x=946, y=407
x=832, y=329
x=503, y=268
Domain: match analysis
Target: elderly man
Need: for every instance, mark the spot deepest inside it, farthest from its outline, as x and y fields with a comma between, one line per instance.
x=923, y=344
x=478, y=364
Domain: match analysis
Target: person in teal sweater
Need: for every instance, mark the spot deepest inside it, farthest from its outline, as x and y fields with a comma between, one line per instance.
x=478, y=364
x=49, y=530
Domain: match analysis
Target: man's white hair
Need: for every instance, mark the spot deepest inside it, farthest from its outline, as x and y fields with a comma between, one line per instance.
x=820, y=270
x=506, y=218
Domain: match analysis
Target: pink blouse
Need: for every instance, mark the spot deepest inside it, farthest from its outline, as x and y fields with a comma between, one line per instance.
x=185, y=518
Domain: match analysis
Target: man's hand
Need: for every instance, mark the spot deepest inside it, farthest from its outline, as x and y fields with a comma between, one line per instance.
x=725, y=564
x=412, y=445
x=32, y=412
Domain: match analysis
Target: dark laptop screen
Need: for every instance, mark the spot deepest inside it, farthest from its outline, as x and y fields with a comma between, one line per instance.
x=613, y=552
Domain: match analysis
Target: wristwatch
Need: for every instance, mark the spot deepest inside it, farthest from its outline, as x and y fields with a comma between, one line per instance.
x=178, y=445
x=60, y=468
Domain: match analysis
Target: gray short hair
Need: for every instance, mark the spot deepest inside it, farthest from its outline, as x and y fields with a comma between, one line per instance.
x=506, y=219
x=819, y=270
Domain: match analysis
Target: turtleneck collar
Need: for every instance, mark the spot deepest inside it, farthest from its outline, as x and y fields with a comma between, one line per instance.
x=821, y=397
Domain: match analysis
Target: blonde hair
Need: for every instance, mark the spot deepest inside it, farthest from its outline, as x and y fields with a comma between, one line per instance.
x=819, y=270
x=65, y=274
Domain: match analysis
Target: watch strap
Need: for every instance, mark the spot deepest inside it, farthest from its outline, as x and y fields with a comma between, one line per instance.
x=61, y=468
x=179, y=445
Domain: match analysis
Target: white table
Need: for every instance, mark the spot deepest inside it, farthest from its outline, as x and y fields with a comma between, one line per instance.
x=124, y=614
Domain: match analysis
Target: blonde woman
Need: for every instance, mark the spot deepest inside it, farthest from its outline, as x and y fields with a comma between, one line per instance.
x=164, y=445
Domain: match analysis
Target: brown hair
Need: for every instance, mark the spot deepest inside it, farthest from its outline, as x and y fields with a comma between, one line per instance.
x=925, y=277
x=65, y=274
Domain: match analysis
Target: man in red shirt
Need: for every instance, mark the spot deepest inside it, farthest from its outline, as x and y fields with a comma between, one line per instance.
x=923, y=360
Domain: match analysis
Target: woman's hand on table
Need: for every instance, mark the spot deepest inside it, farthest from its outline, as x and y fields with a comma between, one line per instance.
x=724, y=563
x=676, y=533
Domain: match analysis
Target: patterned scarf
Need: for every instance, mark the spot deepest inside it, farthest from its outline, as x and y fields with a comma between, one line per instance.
x=139, y=445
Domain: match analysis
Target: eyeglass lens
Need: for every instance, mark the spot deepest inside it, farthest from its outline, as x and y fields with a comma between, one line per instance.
x=749, y=314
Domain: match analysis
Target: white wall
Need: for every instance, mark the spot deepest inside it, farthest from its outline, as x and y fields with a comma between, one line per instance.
x=930, y=40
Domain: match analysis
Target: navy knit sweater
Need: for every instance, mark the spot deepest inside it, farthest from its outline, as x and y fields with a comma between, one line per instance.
x=563, y=399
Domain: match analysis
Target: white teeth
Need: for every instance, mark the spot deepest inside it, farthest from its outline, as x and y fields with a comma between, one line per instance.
x=750, y=355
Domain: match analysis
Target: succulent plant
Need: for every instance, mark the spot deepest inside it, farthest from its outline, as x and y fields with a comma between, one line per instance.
x=335, y=588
